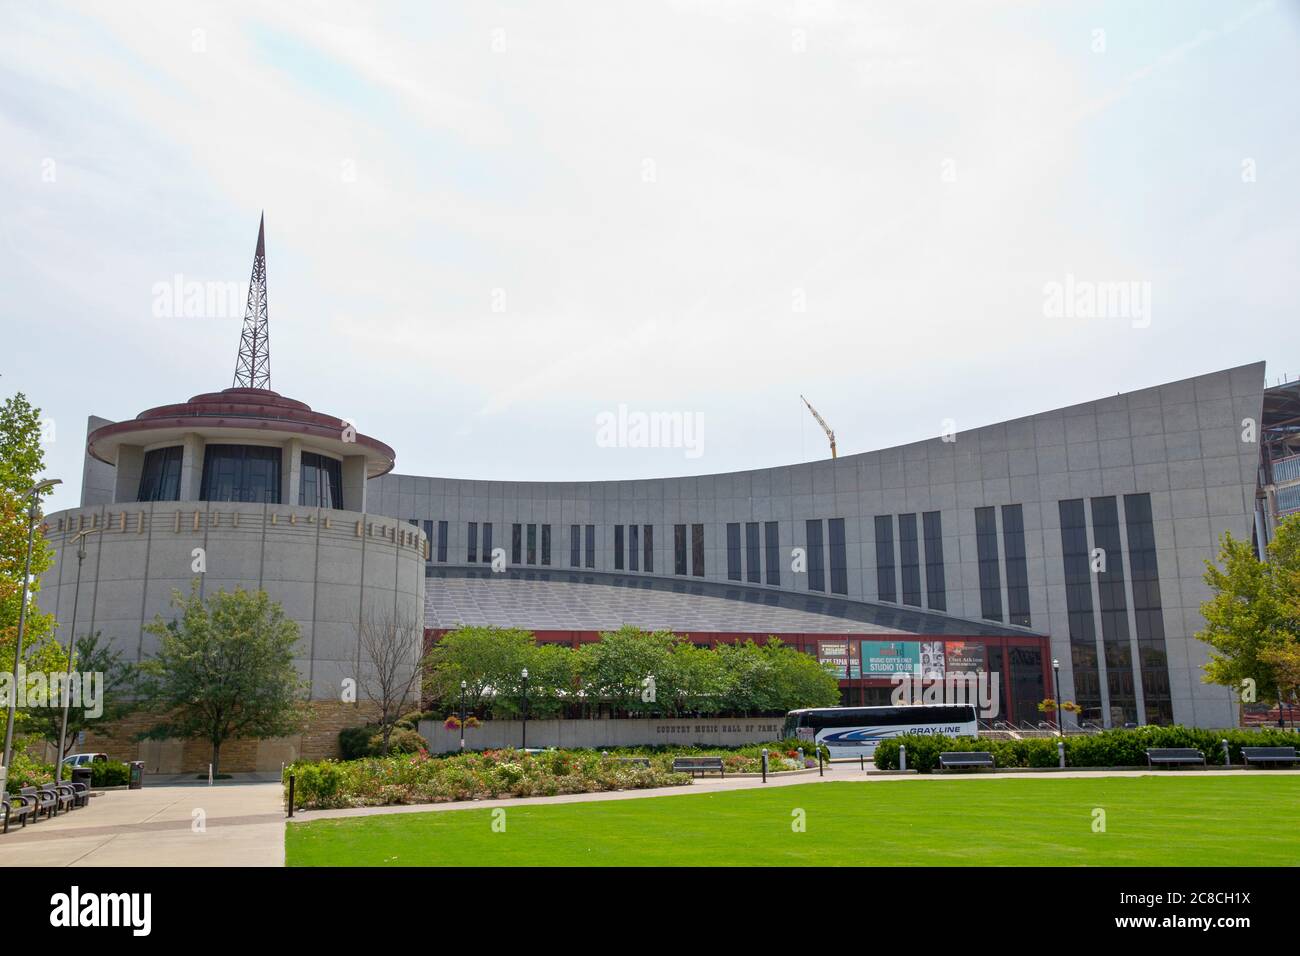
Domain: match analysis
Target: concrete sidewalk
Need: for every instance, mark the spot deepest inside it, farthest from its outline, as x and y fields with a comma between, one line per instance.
x=243, y=825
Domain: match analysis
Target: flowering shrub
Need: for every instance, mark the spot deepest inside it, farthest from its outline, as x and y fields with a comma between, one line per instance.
x=26, y=772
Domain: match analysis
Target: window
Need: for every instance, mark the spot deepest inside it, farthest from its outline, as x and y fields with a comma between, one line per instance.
x=1114, y=612
x=909, y=554
x=633, y=547
x=471, y=542
x=772, y=543
x=733, y=551
x=516, y=544
x=160, y=479
x=428, y=535
x=532, y=544
x=816, y=559
x=1013, y=545
x=649, y=540
x=546, y=544
x=697, y=550
x=936, y=589
x=575, y=546
x=618, y=547
x=679, y=549
x=839, y=557
x=241, y=473
x=753, y=573
x=320, y=481
x=886, y=582
x=442, y=541
x=1078, y=606
x=486, y=556
x=1147, y=609
x=986, y=549
x=591, y=545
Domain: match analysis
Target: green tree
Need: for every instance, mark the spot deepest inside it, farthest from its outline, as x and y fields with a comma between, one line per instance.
x=618, y=669
x=92, y=654
x=1253, y=615
x=22, y=460
x=488, y=659
x=224, y=669
x=799, y=679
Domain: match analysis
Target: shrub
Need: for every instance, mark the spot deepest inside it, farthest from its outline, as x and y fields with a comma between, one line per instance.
x=354, y=742
x=26, y=772
x=109, y=773
x=1108, y=748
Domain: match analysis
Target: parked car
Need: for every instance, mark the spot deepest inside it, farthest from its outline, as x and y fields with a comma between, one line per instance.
x=82, y=760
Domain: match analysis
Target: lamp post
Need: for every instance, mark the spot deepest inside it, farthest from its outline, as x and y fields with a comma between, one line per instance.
x=1056, y=680
x=80, y=541
x=33, y=512
x=524, y=738
x=463, y=686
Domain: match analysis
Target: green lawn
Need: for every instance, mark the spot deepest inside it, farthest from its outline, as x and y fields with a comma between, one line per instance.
x=1175, y=820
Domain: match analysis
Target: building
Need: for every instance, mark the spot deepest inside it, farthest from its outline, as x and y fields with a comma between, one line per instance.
x=1077, y=535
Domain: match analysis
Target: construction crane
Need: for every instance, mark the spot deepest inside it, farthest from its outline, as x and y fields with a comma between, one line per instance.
x=822, y=422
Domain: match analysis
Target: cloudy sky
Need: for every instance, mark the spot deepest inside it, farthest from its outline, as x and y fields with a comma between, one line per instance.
x=488, y=224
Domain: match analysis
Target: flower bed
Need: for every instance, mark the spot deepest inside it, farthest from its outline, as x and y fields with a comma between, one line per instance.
x=419, y=778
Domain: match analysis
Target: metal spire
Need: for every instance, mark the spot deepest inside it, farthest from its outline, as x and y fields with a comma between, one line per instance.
x=253, y=367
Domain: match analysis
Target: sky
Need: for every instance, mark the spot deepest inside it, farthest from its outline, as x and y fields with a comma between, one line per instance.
x=490, y=227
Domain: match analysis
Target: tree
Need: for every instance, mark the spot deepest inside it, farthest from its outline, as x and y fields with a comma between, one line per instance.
x=224, y=669
x=391, y=642
x=22, y=460
x=488, y=659
x=91, y=655
x=617, y=668
x=1252, y=620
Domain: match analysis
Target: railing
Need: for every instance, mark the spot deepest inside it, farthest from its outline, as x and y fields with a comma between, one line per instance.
x=1286, y=469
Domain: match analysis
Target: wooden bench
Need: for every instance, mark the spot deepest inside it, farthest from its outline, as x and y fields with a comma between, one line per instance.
x=18, y=806
x=698, y=765
x=965, y=759
x=1174, y=756
x=1275, y=755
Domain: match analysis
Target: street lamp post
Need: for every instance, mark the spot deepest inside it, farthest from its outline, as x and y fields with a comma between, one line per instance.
x=524, y=739
x=1060, y=710
x=80, y=541
x=33, y=512
x=463, y=686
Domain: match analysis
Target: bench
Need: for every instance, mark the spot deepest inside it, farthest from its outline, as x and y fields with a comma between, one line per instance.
x=23, y=808
x=1173, y=756
x=698, y=765
x=45, y=802
x=63, y=795
x=1268, y=755
x=963, y=759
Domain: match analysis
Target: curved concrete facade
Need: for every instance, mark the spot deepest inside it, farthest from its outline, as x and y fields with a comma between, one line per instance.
x=329, y=569
x=1155, y=477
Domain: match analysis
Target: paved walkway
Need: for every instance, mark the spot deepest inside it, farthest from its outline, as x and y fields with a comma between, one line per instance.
x=243, y=825
x=841, y=773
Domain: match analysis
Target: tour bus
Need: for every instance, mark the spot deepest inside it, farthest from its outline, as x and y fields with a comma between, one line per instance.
x=853, y=731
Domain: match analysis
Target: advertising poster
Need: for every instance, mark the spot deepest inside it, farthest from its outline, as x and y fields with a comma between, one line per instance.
x=967, y=657
x=842, y=656
x=890, y=657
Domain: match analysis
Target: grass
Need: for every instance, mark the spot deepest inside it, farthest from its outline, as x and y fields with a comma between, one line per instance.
x=1175, y=820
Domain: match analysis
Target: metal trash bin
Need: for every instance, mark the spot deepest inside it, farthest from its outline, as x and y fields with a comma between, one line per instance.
x=137, y=775
x=82, y=775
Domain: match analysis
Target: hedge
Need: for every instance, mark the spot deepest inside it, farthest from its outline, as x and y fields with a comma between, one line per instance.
x=1107, y=748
